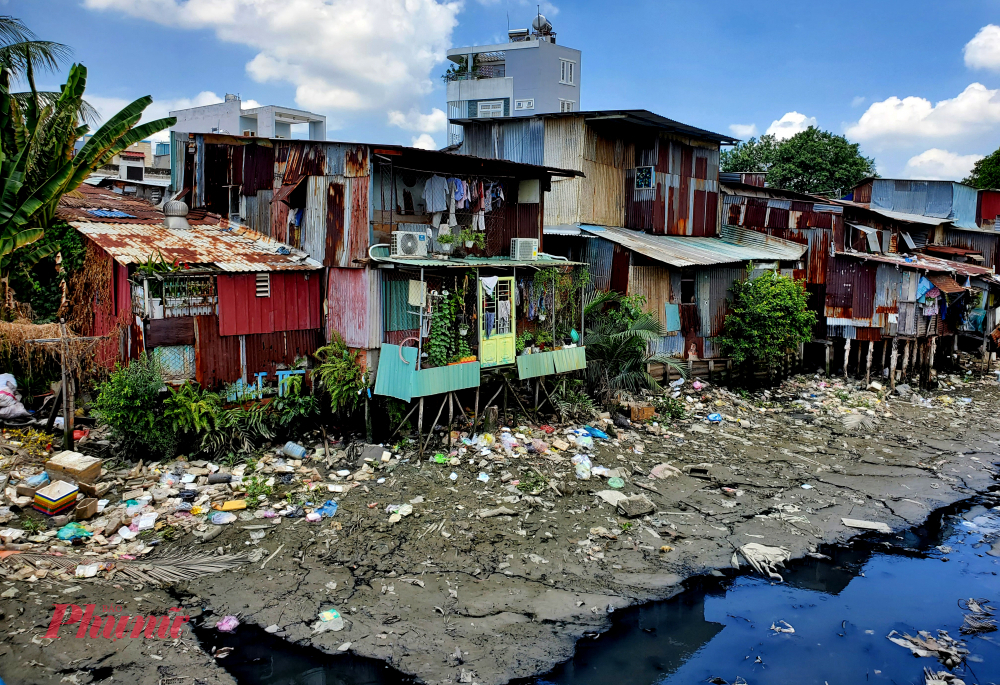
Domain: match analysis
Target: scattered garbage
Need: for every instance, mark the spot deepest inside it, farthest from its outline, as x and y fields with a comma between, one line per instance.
x=877, y=526
x=221, y=518
x=763, y=559
x=329, y=619
x=72, y=531
x=945, y=648
x=783, y=628
x=294, y=450
x=227, y=624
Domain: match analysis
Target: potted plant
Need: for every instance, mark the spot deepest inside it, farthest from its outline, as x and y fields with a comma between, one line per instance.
x=473, y=238
x=446, y=241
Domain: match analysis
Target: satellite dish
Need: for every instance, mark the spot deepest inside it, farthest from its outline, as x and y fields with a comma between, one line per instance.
x=541, y=24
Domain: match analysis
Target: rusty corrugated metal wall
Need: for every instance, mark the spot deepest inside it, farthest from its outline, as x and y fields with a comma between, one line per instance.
x=564, y=141
x=988, y=209
x=986, y=243
x=653, y=283
x=217, y=357
x=354, y=306
x=294, y=303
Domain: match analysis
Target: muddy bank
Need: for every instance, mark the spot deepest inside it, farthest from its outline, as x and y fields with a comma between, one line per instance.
x=452, y=597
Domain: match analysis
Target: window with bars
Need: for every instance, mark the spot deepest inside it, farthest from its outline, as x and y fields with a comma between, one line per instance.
x=567, y=105
x=491, y=108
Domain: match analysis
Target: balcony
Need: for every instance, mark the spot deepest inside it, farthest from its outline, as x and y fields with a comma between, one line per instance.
x=483, y=71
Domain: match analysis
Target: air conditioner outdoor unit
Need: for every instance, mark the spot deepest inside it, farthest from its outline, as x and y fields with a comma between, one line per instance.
x=524, y=249
x=409, y=244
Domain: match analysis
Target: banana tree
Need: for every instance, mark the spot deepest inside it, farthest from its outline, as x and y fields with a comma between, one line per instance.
x=37, y=164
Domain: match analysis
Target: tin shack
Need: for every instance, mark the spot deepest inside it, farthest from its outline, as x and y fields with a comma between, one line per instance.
x=212, y=300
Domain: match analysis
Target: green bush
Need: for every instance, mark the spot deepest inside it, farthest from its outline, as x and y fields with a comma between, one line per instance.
x=769, y=318
x=295, y=412
x=340, y=374
x=129, y=404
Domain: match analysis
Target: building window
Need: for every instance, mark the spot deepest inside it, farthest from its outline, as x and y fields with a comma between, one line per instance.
x=491, y=108
x=524, y=104
x=644, y=177
x=567, y=105
x=687, y=286
x=133, y=173
x=567, y=72
x=263, y=285
x=250, y=134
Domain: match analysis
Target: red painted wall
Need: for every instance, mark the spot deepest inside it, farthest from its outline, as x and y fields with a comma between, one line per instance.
x=295, y=303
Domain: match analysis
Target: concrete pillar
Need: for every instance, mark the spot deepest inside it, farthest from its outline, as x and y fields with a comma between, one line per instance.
x=906, y=361
x=826, y=358
x=847, y=354
x=892, y=364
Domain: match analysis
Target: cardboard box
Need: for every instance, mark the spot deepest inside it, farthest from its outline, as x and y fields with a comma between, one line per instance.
x=74, y=467
x=640, y=411
x=86, y=508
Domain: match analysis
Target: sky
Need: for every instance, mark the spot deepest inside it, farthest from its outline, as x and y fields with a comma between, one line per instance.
x=915, y=83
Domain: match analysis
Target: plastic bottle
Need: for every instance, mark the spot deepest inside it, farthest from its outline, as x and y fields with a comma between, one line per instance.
x=294, y=450
x=583, y=466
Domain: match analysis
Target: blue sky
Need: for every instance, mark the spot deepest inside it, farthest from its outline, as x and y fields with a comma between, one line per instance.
x=916, y=83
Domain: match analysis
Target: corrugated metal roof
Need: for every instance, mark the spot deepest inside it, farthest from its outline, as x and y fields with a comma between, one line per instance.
x=232, y=249
x=737, y=245
x=912, y=218
x=380, y=253
x=945, y=284
x=211, y=240
x=631, y=117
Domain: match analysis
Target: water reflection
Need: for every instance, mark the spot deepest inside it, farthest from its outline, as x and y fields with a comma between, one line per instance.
x=841, y=609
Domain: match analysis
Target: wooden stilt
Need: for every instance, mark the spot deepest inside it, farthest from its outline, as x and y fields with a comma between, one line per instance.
x=892, y=364
x=906, y=361
x=420, y=427
x=69, y=391
x=430, y=433
x=403, y=422
x=930, y=358
x=451, y=417
x=881, y=366
x=475, y=412
x=868, y=363
x=711, y=371
x=847, y=354
x=826, y=357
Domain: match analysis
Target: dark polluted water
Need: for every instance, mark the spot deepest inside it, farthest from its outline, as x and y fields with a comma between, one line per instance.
x=719, y=629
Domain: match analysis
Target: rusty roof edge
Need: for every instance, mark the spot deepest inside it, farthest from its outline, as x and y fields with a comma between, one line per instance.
x=295, y=259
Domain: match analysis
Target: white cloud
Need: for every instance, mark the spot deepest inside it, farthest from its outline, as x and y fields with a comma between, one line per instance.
x=424, y=142
x=983, y=51
x=975, y=110
x=790, y=124
x=858, y=100
x=436, y=121
x=743, y=130
x=941, y=164
x=339, y=54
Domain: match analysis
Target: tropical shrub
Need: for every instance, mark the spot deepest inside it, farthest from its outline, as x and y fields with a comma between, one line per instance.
x=295, y=412
x=129, y=404
x=770, y=317
x=340, y=374
x=618, y=339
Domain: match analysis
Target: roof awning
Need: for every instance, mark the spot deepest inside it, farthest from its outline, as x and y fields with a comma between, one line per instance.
x=281, y=195
x=945, y=284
